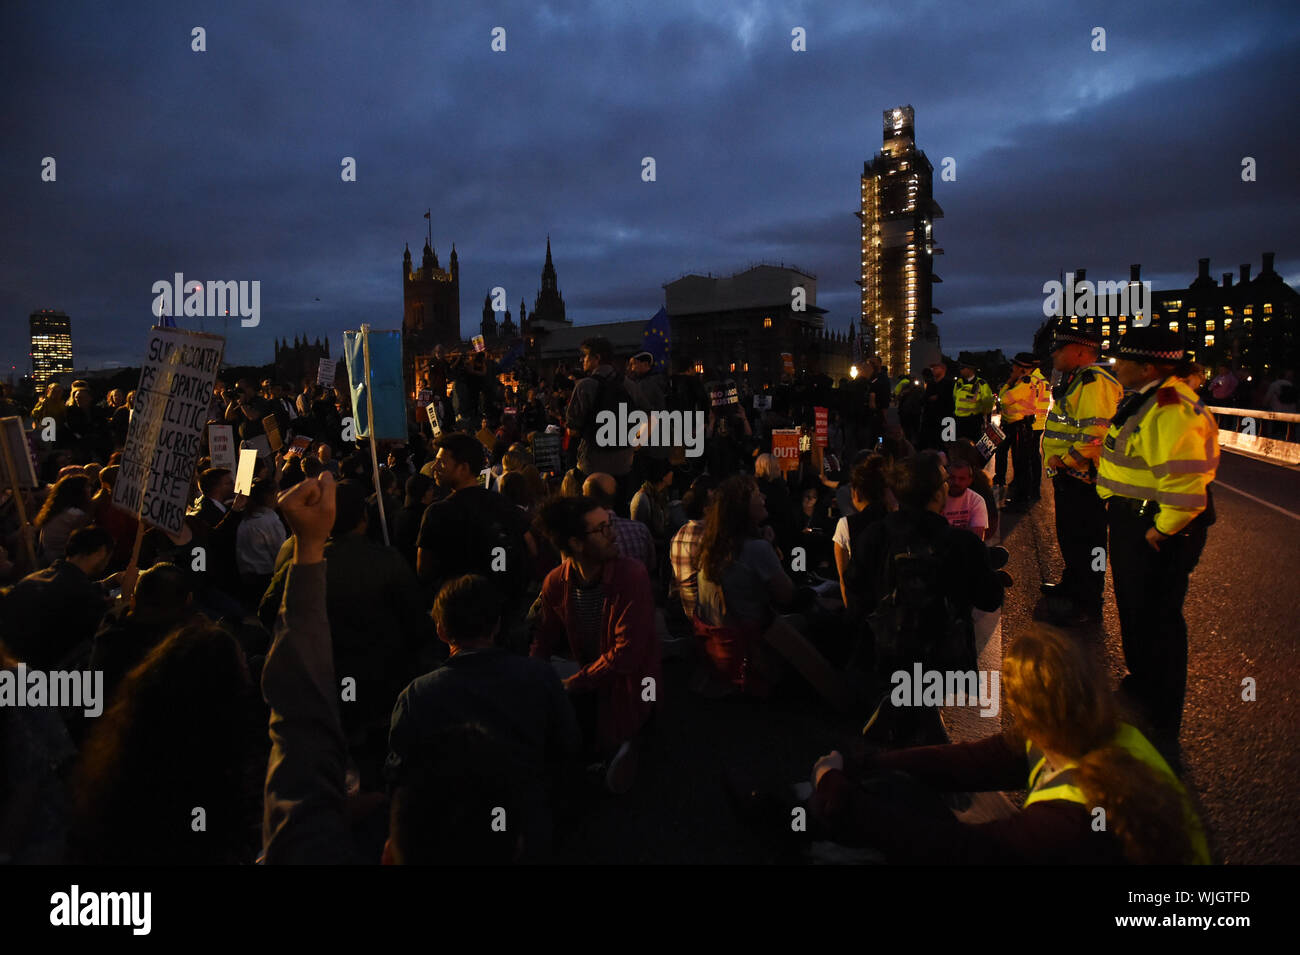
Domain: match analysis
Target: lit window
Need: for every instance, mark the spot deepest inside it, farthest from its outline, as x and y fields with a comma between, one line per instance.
x=1209, y=340
x=1173, y=326
x=1227, y=310
x=1191, y=313
x=1227, y=323
x=767, y=323
x=1209, y=324
x=1105, y=329
x=1074, y=319
x=1268, y=309
x=733, y=367
x=1247, y=311
x=699, y=368
x=1105, y=343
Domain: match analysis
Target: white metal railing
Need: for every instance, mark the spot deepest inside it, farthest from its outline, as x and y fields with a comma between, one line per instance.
x=1271, y=435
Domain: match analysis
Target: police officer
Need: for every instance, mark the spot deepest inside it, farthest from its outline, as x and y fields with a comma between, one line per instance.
x=1158, y=461
x=1019, y=401
x=1085, y=400
x=972, y=400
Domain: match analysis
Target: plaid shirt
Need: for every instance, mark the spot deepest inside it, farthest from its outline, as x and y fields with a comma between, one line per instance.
x=684, y=554
x=634, y=541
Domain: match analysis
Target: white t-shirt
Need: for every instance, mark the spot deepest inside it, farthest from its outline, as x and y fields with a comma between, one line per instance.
x=842, y=535
x=967, y=511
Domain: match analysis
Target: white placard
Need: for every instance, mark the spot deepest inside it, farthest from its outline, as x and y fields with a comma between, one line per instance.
x=167, y=421
x=247, y=466
x=325, y=373
x=221, y=446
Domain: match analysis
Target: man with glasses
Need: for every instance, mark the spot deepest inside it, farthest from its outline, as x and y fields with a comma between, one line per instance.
x=600, y=605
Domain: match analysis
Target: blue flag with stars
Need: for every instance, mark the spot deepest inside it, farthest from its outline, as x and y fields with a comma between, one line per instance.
x=655, y=338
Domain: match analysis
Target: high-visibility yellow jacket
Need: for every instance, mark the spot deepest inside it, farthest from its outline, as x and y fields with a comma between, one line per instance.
x=1019, y=399
x=1042, y=398
x=971, y=397
x=1044, y=785
x=1167, y=451
x=1078, y=421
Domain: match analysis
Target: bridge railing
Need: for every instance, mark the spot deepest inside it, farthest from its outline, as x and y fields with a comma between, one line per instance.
x=1270, y=435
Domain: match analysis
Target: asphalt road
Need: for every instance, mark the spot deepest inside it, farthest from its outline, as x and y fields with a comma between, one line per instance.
x=1240, y=757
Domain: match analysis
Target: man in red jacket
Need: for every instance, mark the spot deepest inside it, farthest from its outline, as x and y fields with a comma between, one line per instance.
x=602, y=606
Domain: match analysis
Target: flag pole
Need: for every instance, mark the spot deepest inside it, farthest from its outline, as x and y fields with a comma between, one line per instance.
x=370, y=418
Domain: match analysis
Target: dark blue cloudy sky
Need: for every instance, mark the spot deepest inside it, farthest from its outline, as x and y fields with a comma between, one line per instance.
x=225, y=164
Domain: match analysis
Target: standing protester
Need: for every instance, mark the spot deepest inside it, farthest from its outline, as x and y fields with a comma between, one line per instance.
x=1019, y=401
x=938, y=405
x=972, y=402
x=1086, y=399
x=602, y=390
x=1159, y=459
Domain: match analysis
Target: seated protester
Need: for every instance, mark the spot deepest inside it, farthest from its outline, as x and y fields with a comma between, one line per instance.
x=162, y=601
x=684, y=550
x=981, y=483
x=185, y=730
x=49, y=614
x=600, y=605
x=1069, y=748
x=740, y=580
x=461, y=534
x=776, y=493
x=258, y=541
x=963, y=507
x=121, y=524
x=631, y=537
x=650, y=502
x=406, y=521
x=66, y=508
x=814, y=528
x=36, y=755
x=917, y=609
x=518, y=700
x=868, y=486
x=380, y=631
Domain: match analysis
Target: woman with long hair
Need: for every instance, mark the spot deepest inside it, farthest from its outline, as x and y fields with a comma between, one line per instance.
x=66, y=508
x=184, y=740
x=742, y=585
x=1097, y=790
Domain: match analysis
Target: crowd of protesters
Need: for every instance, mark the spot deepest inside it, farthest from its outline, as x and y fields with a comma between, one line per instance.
x=453, y=652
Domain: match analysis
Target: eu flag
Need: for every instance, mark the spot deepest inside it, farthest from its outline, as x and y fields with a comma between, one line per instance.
x=655, y=338
x=386, y=389
x=510, y=358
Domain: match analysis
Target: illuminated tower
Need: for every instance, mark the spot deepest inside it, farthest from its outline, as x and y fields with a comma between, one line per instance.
x=897, y=213
x=51, y=345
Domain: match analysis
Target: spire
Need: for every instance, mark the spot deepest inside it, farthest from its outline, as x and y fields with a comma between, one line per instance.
x=548, y=251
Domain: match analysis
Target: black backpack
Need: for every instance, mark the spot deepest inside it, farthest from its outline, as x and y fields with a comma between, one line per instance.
x=499, y=531
x=916, y=620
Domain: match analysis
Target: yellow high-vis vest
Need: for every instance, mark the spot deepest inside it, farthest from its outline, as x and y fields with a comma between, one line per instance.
x=1042, y=399
x=971, y=397
x=1019, y=399
x=1061, y=784
x=1167, y=451
x=1078, y=421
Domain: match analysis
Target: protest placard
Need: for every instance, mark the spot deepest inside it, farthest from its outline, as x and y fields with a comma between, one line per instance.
x=723, y=393
x=20, y=471
x=171, y=409
x=546, y=452
x=787, y=363
x=988, y=443
x=272, y=427
x=221, y=446
x=479, y=343
x=325, y=372
x=299, y=445
x=785, y=448
x=247, y=467
x=432, y=411
x=821, y=423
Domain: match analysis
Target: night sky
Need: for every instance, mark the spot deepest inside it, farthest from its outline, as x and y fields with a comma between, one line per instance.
x=225, y=164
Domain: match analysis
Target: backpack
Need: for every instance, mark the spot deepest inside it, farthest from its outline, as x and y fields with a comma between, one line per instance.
x=498, y=531
x=917, y=621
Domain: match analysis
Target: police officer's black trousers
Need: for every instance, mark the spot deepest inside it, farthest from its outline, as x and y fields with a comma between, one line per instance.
x=1006, y=450
x=1027, y=485
x=1150, y=587
x=1081, y=534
